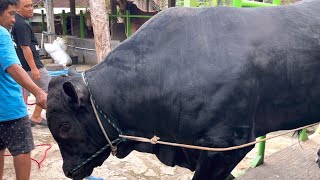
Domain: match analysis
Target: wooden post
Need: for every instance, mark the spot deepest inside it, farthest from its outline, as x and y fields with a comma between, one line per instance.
x=100, y=24
x=113, y=21
x=50, y=20
x=171, y=3
x=128, y=25
x=73, y=15
x=43, y=23
x=64, y=23
x=147, y=5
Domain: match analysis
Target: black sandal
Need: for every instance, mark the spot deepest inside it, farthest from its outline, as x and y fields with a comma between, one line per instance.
x=43, y=122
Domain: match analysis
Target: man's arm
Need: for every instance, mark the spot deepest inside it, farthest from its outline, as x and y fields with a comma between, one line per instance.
x=30, y=60
x=21, y=76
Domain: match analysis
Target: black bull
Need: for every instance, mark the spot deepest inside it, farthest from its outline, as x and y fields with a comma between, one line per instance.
x=215, y=77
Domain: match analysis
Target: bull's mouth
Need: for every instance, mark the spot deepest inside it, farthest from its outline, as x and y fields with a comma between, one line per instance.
x=318, y=158
x=79, y=174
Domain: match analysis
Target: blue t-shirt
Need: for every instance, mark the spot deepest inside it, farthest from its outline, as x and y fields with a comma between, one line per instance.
x=12, y=105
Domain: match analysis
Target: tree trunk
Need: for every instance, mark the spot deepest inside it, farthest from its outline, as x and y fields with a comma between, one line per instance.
x=50, y=20
x=171, y=3
x=100, y=24
x=113, y=10
x=72, y=4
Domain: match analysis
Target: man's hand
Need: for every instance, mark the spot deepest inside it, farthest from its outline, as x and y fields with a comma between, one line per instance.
x=35, y=74
x=41, y=99
x=21, y=76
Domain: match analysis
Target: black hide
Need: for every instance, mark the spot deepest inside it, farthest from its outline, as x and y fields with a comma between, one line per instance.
x=215, y=77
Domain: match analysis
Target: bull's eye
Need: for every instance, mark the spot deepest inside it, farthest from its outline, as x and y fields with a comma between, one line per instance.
x=64, y=129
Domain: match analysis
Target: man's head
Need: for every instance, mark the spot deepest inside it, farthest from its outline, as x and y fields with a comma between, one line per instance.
x=7, y=10
x=25, y=8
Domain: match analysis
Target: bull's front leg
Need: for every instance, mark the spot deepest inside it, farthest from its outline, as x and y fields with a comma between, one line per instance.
x=218, y=165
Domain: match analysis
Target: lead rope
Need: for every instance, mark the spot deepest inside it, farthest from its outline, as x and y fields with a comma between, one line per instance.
x=113, y=148
x=155, y=140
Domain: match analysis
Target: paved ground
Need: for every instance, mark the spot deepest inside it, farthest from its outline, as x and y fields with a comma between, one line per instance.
x=296, y=162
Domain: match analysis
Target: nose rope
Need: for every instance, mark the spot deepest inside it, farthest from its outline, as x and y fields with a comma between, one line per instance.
x=95, y=107
x=113, y=148
x=117, y=141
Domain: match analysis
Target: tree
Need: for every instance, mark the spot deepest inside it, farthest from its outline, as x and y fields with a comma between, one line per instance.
x=50, y=20
x=100, y=24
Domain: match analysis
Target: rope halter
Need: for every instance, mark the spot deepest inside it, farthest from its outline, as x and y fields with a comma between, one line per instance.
x=110, y=143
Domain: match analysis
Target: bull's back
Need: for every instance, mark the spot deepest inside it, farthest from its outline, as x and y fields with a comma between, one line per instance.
x=195, y=59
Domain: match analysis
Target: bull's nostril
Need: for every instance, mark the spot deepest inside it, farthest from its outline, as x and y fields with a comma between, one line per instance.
x=318, y=161
x=69, y=175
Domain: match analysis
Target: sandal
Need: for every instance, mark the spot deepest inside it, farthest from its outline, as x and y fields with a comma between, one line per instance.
x=43, y=122
x=33, y=124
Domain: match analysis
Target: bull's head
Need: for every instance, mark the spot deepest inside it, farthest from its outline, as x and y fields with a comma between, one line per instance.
x=73, y=125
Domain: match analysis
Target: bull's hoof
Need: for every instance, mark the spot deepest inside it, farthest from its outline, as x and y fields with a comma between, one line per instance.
x=230, y=177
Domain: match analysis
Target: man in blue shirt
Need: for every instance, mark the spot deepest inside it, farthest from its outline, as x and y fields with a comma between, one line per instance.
x=15, y=129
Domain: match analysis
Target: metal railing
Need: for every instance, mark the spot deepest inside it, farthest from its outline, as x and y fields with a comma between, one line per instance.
x=64, y=16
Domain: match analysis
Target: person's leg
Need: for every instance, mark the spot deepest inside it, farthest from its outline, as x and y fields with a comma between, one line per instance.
x=1, y=163
x=22, y=166
x=20, y=146
x=2, y=149
x=43, y=84
x=36, y=116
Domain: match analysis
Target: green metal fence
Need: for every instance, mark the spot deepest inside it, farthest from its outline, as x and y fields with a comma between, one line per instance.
x=127, y=17
x=245, y=3
x=64, y=16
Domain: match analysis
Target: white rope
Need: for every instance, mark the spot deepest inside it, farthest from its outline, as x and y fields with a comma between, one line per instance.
x=155, y=140
x=113, y=148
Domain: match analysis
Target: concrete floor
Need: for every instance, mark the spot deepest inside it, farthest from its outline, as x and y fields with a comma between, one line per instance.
x=296, y=162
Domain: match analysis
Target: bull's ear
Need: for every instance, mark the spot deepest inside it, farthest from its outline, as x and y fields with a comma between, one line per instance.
x=72, y=71
x=73, y=92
